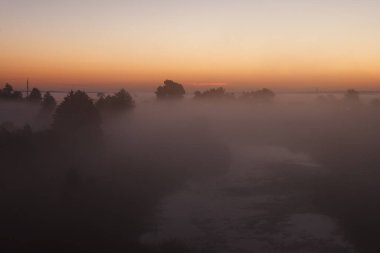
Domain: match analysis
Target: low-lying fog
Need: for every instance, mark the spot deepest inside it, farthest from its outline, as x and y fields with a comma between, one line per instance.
x=297, y=175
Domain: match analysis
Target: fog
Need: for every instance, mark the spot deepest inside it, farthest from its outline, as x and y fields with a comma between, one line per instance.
x=298, y=174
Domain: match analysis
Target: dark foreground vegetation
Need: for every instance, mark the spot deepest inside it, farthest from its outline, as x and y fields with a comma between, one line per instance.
x=88, y=175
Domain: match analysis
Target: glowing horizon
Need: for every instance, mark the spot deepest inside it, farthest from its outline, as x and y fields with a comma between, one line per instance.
x=299, y=44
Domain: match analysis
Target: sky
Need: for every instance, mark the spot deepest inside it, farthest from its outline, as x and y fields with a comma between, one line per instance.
x=303, y=44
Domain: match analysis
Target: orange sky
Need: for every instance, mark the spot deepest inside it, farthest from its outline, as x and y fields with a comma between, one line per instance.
x=297, y=44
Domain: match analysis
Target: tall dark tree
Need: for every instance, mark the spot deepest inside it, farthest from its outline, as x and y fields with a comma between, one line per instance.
x=7, y=93
x=119, y=102
x=122, y=100
x=48, y=102
x=77, y=114
x=170, y=90
x=35, y=96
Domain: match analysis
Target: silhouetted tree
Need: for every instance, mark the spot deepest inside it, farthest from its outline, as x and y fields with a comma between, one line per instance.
x=34, y=96
x=48, y=103
x=214, y=93
x=170, y=90
x=261, y=96
x=121, y=101
x=7, y=93
x=17, y=95
x=76, y=113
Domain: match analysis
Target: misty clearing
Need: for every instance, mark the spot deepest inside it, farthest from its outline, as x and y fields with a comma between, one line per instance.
x=209, y=171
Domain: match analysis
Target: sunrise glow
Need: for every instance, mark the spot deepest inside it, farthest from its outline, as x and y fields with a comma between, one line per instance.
x=299, y=44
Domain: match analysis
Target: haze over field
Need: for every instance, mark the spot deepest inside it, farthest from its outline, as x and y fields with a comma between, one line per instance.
x=213, y=173
x=264, y=139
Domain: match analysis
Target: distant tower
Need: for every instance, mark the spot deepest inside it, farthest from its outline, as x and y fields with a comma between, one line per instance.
x=27, y=88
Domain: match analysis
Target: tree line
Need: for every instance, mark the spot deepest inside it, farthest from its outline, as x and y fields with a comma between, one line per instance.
x=66, y=189
x=169, y=91
x=63, y=189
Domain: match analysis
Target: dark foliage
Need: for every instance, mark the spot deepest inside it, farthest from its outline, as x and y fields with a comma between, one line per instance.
x=119, y=102
x=170, y=90
x=35, y=96
x=7, y=93
x=259, y=96
x=64, y=190
x=48, y=103
x=215, y=93
x=77, y=113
